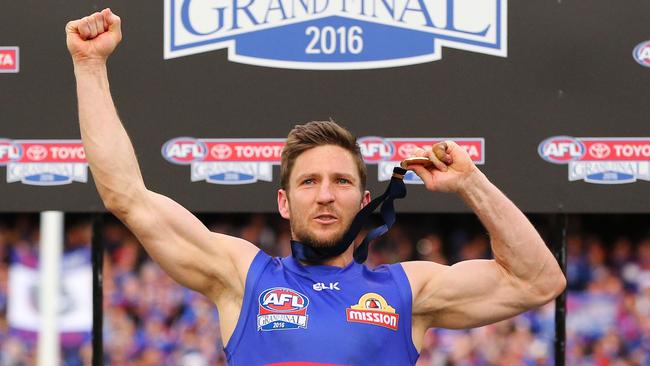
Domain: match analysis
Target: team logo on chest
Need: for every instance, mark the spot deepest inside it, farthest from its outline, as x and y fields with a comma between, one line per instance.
x=282, y=308
x=373, y=309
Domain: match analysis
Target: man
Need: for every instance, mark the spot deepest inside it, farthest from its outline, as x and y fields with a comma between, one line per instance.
x=288, y=310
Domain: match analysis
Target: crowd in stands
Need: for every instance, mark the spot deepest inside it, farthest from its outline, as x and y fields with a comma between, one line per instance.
x=150, y=320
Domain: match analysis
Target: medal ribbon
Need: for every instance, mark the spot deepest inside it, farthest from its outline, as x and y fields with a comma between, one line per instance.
x=396, y=189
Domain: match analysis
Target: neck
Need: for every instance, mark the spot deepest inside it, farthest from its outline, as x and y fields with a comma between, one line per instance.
x=341, y=261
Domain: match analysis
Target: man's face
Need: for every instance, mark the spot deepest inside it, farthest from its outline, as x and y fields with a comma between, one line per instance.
x=324, y=195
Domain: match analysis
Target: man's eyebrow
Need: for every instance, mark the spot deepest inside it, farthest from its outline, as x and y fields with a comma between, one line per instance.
x=348, y=176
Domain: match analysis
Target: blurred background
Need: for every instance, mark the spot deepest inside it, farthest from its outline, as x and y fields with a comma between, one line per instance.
x=554, y=96
x=150, y=320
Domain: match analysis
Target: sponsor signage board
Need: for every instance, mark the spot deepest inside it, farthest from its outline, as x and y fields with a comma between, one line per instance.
x=600, y=160
x=9, y=59
x=201, y=72
x=246, y=160
x=225, y=161
x=44, y=162
x=334, y=34
x=387, y=153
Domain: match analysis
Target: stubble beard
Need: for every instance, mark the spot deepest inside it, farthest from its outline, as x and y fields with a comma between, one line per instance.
x=301, y=233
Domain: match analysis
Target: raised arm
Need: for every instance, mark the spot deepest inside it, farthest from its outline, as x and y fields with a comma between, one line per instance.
x=192, y=255
x=523, y=275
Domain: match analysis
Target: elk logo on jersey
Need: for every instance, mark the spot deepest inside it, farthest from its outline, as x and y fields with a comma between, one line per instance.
x=373, y=309
x=282, y=308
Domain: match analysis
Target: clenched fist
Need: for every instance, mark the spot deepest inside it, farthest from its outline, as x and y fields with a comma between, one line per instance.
x=451, y=167
x=93, y=38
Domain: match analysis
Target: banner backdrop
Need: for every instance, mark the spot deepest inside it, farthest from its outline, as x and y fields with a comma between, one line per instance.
x=75, y=312
x=549, y=97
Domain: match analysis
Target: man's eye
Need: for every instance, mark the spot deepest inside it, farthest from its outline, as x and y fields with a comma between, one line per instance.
x=308, y=181
x=344, y=181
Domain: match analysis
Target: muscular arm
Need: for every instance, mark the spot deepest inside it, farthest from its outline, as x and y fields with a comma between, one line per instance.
x=523, y=275
x=192, y=255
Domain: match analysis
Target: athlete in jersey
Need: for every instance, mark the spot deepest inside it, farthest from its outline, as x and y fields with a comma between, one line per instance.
x=326, y=308
x=323, y=315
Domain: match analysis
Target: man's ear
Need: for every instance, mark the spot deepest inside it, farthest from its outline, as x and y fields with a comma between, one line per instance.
x=366, y=199
x=283, y=204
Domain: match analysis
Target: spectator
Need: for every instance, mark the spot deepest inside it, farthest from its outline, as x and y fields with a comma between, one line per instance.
x=149, y=320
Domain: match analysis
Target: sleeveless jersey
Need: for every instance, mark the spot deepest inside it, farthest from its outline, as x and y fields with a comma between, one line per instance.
x=323, y=315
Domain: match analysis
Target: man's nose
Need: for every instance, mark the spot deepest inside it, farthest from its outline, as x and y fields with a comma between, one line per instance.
x=325, y=194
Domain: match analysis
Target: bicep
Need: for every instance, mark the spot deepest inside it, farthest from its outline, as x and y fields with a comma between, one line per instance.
x=468, y=294
x=191, y=254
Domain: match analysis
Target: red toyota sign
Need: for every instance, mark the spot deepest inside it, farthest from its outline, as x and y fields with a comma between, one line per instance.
x=9, y=59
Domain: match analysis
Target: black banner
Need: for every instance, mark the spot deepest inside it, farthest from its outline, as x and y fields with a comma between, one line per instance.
x=552, y=95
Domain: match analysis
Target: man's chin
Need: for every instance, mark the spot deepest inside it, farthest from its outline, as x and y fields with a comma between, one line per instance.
x=320, y=241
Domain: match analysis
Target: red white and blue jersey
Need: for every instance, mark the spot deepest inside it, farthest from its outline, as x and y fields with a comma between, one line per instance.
x=323, y=315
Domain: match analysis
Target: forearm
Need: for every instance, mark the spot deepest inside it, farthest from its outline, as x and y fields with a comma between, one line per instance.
x=108, y=148
x=516, y=245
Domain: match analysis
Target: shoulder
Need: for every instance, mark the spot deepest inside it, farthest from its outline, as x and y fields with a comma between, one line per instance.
x=398, y=274
x=422, y=275
x=422, y=269
x=241, y=252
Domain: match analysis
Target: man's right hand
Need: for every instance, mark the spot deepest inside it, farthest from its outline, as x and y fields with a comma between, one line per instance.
x=93, y=38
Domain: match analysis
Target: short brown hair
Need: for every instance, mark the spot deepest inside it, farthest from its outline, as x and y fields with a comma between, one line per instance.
x=318, y=133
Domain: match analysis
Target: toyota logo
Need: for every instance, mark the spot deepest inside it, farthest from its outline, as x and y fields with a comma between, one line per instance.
x=36, y=152
x=599, y=150
x=406, y=150
x=221, y=151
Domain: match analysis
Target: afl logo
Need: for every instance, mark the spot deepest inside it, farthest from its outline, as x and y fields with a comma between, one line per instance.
x=283, y=300
x=561, y=149
x=184, y=150
x=9, y=152
x=374, y=149
x=642, y=53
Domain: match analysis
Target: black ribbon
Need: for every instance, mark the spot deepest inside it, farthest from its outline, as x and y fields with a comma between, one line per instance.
x=396, y=189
